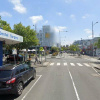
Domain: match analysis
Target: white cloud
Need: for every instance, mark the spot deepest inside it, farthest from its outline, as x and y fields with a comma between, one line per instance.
x=36, y=19
x=5, y=14
x=85, y=16
x=90, y=36
x=73, y=17
x=46, y=22
x=59, y=13
x=59, y=28
x=18, y=6
x=88, y=31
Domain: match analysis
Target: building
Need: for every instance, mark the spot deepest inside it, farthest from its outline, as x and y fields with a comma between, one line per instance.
x=8, y=38
x=47, y=37
x=86, y=45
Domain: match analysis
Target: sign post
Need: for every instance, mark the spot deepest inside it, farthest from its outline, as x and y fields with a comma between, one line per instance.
x=14, y=51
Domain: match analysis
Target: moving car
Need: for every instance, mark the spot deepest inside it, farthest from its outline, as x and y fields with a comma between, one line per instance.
x=14, y=77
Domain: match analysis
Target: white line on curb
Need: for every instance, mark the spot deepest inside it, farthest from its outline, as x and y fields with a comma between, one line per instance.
x=31, y=87
x=73, y=85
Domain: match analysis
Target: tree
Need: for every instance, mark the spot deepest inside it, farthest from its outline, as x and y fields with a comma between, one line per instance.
x=29, y=36
x=54, y=49
x=5, y=26
x=41, y=49
x=98, y=44
x=74, y=48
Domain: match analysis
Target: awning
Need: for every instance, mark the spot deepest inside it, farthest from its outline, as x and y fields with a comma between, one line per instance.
x=10, y=38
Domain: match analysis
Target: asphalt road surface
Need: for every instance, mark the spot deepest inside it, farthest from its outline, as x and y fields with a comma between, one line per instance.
x=68, y=78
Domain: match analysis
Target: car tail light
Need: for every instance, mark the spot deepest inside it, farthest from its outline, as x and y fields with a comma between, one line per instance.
x=11, y=81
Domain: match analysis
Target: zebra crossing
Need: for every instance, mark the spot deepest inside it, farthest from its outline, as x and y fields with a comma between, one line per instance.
x=74, y=64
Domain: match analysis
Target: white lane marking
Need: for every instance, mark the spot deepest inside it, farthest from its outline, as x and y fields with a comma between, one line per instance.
x=79, y=64
x=65, y=64
x=86, y=64
x=31, y=87
x=51, y=64
x=95, y=71
x=73, y=85
x=72, y=64
x=58, y=64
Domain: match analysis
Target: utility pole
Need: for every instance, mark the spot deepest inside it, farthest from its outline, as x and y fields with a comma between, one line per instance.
x=93, y=37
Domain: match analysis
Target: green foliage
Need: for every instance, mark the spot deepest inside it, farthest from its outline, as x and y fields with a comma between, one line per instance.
x=98, y=44
x=41, y=49
x=54, y=49
x=5, y=26
x=74, y=48
x=62, y=49
x=29, y=36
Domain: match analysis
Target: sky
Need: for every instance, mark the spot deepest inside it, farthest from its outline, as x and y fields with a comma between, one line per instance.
x=73, y=16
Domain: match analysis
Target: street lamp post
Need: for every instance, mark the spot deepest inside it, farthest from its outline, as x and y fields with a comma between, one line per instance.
x=60, y=38
x=36, y=45
x=93, y=37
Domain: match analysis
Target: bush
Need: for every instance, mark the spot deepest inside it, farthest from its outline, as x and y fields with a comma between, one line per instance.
x=55, y=54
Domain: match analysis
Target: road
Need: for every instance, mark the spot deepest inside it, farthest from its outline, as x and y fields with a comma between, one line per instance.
x=68, y=78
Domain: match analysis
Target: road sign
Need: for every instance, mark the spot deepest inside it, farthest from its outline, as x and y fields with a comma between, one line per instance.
x=14, y=51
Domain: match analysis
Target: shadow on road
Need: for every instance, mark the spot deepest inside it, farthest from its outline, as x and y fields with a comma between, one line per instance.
x=8, y=97
x=12, y=96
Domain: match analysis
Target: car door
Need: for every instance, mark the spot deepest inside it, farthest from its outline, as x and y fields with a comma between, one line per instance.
x=24, y=73
x=29, y=71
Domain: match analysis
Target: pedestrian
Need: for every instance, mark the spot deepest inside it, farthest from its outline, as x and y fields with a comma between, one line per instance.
x=29, y=56
x=36, y=59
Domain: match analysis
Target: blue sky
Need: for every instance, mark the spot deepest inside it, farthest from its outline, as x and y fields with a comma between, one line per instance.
x=75, y=16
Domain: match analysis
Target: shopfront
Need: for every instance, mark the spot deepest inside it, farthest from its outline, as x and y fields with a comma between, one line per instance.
x=8, y=38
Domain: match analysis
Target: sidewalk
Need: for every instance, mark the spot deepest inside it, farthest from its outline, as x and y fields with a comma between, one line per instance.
x=93, y=59
x=42, y=64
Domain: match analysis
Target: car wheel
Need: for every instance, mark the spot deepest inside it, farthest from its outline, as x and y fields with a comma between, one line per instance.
x=19, y=89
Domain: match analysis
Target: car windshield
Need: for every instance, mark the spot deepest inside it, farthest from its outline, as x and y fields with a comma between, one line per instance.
x=5, y=73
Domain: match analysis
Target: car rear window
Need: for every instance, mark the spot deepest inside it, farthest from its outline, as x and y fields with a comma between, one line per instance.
x=5, y=73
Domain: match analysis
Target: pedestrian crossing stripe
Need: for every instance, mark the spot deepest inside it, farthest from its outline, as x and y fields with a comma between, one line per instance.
x=65, y=64
x=58, y=64
x=86, y=64
x=79, y=64
x=72, y=64
x=52, y=64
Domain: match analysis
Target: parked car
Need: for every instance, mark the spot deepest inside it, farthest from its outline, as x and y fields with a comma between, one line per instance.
x=13, y=78
x=17, y=57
